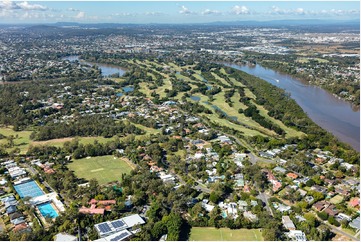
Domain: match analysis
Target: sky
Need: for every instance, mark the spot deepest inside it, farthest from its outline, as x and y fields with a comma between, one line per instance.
x=173, y=11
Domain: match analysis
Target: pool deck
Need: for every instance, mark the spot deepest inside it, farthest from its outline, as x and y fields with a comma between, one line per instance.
x=50, y=197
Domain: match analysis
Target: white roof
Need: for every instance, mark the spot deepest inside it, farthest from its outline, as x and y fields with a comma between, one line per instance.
x=207, y=207
x=297, y=235
x=166, y=177
x=118, y=236
x=127, y=222
x=198, y=155
x=46, y=198
x=65, y=237
x=133, y=220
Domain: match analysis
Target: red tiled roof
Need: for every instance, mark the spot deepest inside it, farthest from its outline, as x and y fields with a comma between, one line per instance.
x=49, y=171
x=319, y=160
x=246, y=188
x=20, y=227
x=292, y=175
x=354, y=202
x=277, y=185
x=270, y=176
x=92, y=211
x=106, y=202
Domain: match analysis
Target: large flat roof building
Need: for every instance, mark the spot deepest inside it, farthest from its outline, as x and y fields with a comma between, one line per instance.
x=118, y=236
x=111, y=227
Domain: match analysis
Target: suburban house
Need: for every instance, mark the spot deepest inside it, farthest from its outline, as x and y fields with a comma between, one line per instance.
x=319, y=206
x=287, y=222
x=292, y=175
x=331, y=210
x=296, y=235
x=354, y=202
x=97, y=207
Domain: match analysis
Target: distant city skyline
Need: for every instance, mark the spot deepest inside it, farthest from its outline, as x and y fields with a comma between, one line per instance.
x=173, y=11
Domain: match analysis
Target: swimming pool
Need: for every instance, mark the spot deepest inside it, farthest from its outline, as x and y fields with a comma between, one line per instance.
x=28, y=189
x=47, y=210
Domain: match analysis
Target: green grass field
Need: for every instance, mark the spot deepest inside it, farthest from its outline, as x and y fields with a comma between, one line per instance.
x=224, y=234
x=22, y=138
x=306, y=60
x=103, y=168
x=22, y=141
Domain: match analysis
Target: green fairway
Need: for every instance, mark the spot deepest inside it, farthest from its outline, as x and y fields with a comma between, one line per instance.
x=161, y=90
x=289, y=131
x=144, y=89
x=220, y=121
x=220, y=79
x=103, y=168
x=224, y=234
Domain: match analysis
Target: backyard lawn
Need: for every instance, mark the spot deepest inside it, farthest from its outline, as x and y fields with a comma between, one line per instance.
x=336, y=199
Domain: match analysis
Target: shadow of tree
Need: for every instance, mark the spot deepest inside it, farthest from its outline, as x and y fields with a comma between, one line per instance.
x=185, y=231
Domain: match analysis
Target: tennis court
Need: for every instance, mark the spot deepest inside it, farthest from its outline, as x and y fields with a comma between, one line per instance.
x=28, y=189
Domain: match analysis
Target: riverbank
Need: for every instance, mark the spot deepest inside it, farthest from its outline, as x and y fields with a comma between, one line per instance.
x=304, y=79
x=106, y=69
x=332, y=114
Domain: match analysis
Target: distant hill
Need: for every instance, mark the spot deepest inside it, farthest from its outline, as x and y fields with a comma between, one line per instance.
x=296, y=22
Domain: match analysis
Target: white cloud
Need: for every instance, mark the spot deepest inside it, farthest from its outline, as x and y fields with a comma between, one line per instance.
x=300, y=11
x=10, y=5
x=28, y=6
x=341, y=12
x=240, y=10
x=211, y=12
x=123, y=14
x=153, y=13
x=277, y=10
x=185, y=10
x=80, y=15
x=4, y=13
x=73, y=9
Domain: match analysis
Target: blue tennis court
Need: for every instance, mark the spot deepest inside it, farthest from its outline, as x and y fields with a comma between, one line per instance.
x=28, y=189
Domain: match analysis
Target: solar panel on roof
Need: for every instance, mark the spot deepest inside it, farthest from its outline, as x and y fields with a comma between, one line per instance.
x=104, y=228
x=120, y=237
x=118, y=224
